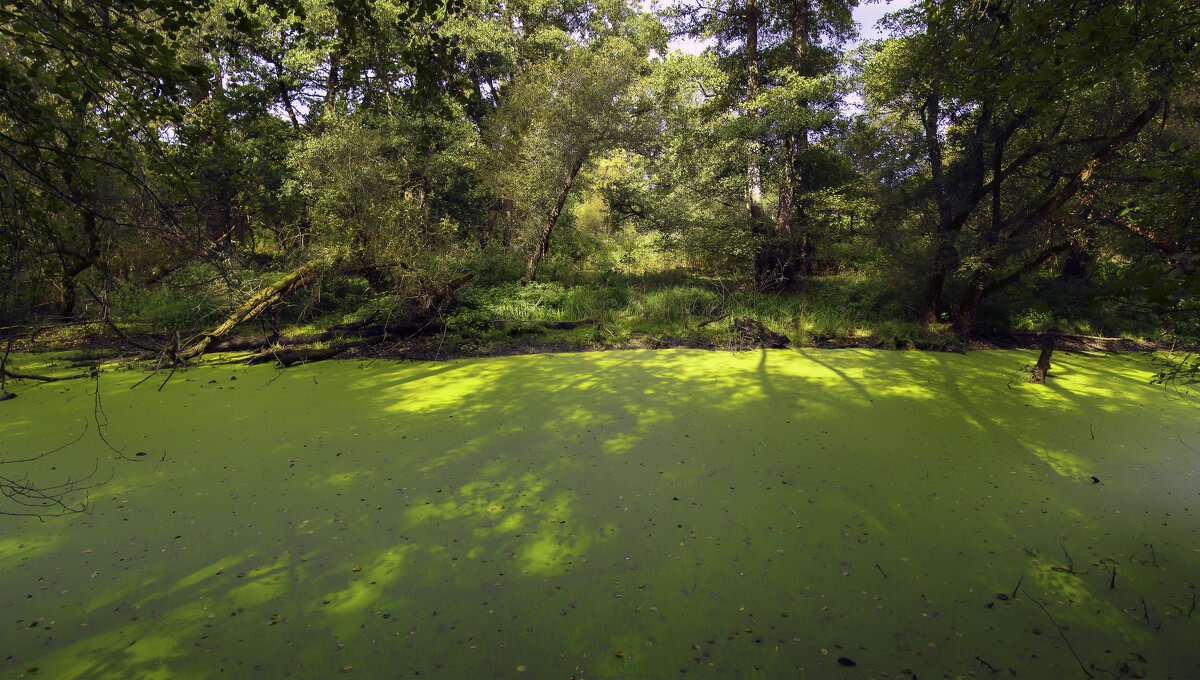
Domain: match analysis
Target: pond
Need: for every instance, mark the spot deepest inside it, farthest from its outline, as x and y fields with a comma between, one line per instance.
x=631, y=514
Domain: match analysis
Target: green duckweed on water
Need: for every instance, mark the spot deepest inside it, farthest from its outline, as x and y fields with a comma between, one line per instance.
x=843, y=513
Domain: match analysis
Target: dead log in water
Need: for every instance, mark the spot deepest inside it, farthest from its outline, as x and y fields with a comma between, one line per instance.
x=754, y=331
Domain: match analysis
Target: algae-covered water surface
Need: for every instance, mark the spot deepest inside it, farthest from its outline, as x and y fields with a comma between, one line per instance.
x=638, y=514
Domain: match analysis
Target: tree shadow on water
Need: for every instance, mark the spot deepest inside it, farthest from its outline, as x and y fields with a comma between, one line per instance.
x=618, y=514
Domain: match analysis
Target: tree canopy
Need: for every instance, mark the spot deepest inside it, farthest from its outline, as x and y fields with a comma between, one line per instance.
x=400, y=148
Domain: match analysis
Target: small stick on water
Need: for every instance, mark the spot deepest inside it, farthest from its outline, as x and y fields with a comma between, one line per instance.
x=1112, y=579
x=1014, y=593
x=1153, y=555
x=1070, y=562
x=881, y=570
x=1195, y=598
x=1145, y=609
x=1061, y=634
x=987, y=665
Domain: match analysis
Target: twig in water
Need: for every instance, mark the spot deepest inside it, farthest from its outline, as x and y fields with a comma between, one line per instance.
x=1112, y=580
x=1145, y=609
x=1186, y=445
x=881, y=570
x=1195, y=599
x=1153, y=555
x=1061, y=634
x=101, y=419
x=987, y=665
x=1014, y=593
x=1070, y=562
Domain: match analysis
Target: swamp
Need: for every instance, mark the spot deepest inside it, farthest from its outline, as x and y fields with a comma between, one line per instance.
x=599, y=338
x=670, y=513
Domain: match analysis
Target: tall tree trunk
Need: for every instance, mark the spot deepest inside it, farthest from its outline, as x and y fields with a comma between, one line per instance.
x=944, y=232
x=787, y=177
x=540, y=250
x=753, y=173
x=794, y=144
x=968, y=304
x=333, y=81
x=795, y=141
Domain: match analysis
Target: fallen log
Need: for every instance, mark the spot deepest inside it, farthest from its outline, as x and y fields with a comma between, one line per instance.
x=754, y=331
x=553, y=325
x=298, y=278
x=288, y=356
x=42, y=378
x=407, y=328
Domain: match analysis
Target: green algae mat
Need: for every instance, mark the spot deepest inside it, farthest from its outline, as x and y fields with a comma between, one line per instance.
x=636, y=514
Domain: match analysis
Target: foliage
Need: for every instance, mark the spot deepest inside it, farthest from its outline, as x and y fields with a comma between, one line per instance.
x=1013, y=164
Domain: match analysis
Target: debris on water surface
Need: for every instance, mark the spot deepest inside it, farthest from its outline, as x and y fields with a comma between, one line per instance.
x=846, y=661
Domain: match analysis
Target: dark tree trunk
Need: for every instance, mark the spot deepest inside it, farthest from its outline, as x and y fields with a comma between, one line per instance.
x=753, y=173
x=1077, y=262
x=944, y=232
x=931, y=309
x=285, y=95
x=1042, y=367
x=779, y=261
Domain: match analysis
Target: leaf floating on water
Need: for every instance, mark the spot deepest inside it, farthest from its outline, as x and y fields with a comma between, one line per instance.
x=846, y=661
x=357, y=568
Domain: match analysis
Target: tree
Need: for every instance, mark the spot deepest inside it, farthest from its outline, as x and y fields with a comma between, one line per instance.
x=557, y=116
x=777, y=50
x=1004, y=155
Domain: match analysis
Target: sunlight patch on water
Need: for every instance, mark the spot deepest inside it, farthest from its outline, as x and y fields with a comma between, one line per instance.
x=625, y=514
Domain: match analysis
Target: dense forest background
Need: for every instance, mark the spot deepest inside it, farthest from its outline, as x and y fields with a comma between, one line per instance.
x=172, y=169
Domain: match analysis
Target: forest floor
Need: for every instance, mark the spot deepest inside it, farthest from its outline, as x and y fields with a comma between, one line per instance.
x=448, y=346
x=667, y=311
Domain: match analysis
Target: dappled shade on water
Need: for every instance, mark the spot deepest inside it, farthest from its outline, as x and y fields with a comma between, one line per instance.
x=639, y=514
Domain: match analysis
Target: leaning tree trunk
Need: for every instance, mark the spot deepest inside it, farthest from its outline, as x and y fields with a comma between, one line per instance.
x=297, y=279
x=540, y=250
